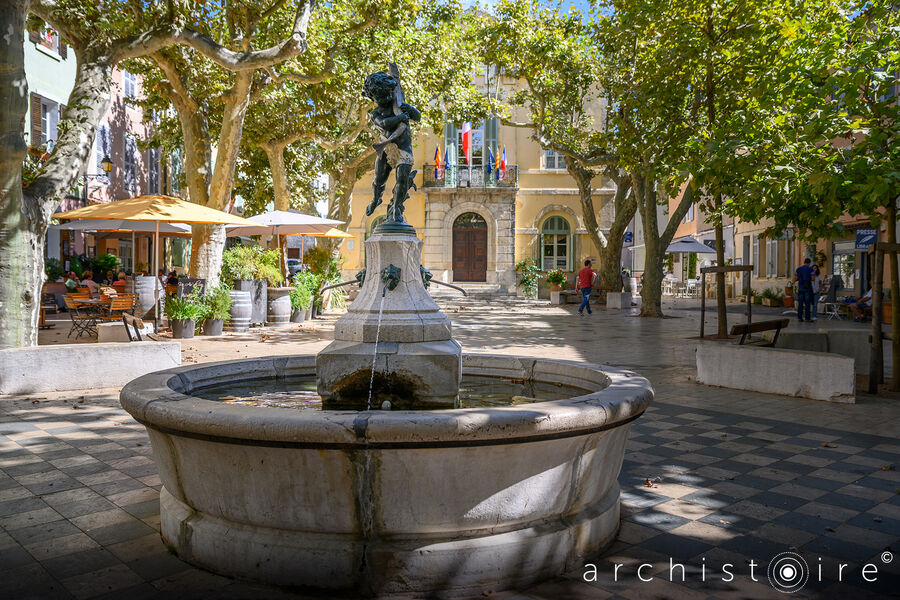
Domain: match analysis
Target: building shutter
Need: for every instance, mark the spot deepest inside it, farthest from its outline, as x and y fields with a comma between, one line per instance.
x=490, y=137
x=450, y=142
x=34, y=37
x=35, y=120
x=63, y=50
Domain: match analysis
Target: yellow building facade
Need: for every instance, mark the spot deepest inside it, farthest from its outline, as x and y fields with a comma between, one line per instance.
x=476, y=225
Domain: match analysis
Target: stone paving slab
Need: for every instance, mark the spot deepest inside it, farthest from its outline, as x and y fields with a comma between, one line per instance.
x=710, y=477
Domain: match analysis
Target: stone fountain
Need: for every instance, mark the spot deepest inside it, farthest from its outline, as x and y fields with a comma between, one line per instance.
x=423, y=500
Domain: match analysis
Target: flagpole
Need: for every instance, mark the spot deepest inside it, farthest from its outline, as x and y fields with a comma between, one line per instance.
x=156, y=280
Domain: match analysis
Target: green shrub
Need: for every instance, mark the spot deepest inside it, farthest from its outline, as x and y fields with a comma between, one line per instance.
x=301, y=297
x=238, y=262
x=76, y=265
x=250, y=262
x=53, y=268
x=218, y=303
x=529, y=273
x=103, y=263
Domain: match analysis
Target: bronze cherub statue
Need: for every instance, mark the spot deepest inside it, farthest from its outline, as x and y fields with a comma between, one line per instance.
x=391, y=117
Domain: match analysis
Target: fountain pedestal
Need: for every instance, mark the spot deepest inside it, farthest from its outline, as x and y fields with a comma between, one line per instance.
x=417, y=363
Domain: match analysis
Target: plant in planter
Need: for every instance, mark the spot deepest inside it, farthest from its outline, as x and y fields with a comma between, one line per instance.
x=557, y=279
x=218, y=308
x=183, y=314
x=54, y=269
x=771, y=297
x=301, y=299
x=327, y=268
x=313, y=284
x=529, y=273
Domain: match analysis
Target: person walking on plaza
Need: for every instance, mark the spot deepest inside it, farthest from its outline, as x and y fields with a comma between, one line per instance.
x=585, y=282
x=804, y=277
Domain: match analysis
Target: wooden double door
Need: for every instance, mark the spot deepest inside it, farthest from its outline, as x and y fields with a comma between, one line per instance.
x=470, y=248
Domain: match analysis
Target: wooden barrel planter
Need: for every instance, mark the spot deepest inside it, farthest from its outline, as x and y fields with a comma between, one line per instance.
x=241, y=308
x=142, y=286
x=257, y=289
x=279, y=305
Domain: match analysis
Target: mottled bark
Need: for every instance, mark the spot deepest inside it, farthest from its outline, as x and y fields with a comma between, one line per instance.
x=17, y=286
x=25, y=215
x=655, y=243
x=280, y=183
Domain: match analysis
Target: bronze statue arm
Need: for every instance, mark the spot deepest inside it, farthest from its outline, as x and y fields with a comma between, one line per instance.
x=388, y=123
x=411, y=111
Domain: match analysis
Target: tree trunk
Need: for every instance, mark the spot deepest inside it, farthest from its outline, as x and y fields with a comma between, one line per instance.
x=584, y=179
x=644, y=191
x=280, y=183
x=721, y=307
x=207, y=244
x=25, y=215
x=611, y=256
x=895, y=298
x=16, y=296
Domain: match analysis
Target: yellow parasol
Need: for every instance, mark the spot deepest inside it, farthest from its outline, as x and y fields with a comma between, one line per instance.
x=158, y=208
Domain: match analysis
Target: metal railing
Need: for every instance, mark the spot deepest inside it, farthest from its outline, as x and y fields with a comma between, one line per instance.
x=463, y=176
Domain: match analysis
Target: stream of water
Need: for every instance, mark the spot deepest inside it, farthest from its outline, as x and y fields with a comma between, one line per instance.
x=375, y=351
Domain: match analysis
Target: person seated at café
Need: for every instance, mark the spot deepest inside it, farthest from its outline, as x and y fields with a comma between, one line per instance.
x=88, y=282
x=110, y=278
x=121, y=282
x=161, y=275
x=72, y=281
x=173, y=278
x=859, y=307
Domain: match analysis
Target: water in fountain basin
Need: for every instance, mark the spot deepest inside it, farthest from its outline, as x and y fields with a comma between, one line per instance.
x=375, y=349
x=300, y=393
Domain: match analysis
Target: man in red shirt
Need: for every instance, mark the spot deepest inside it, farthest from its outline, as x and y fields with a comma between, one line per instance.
x=585, y=282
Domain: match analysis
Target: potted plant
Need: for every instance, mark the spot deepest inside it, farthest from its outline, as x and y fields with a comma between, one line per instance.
x=312, y=283
x=557, y=279
x=301, y=299
x=241, y=271
x=529, y=273
x=771, y=297
x=218, y=308
x=183, y=314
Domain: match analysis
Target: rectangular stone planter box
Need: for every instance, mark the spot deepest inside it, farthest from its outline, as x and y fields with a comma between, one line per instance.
x=815, y=375
x=77, y=366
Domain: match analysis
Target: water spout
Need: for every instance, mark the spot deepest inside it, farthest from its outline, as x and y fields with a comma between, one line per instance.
x=375, y=348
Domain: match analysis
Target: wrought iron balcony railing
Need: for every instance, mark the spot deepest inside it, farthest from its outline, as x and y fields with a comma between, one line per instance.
x=456, y=176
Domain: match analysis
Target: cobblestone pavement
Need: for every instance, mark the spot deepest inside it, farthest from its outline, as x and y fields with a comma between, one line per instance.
x=711, y=477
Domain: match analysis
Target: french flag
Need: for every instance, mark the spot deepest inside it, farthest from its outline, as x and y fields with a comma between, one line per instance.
x=503, y=165
x=467, y=141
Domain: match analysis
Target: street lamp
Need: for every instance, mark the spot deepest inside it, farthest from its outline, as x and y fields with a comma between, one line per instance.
x=106, y=165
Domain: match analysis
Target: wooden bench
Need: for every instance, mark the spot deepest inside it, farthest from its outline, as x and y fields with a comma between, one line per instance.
x=745, y=329
x=135, y=324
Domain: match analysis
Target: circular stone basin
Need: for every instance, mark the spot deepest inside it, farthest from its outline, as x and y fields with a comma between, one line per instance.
x=419, y=503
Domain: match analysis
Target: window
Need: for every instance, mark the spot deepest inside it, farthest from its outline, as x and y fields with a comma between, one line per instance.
x=102, y=147
x=375, y=223
x=130, y=166
x=554, y=160
x=176, y=169
x=153, y=171
x=555, y=244
x=756, y=256
x=49, y=39
x=129, y=85
x=477, y=146
x=843, y=263
x=771, y=257
x=689, y=215
x=49, y=123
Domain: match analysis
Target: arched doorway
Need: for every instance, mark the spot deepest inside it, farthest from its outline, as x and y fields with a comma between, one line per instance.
x=469, y=248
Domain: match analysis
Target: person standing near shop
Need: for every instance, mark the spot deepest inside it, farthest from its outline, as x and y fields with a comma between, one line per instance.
x=804, y=278
x=585, y=282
